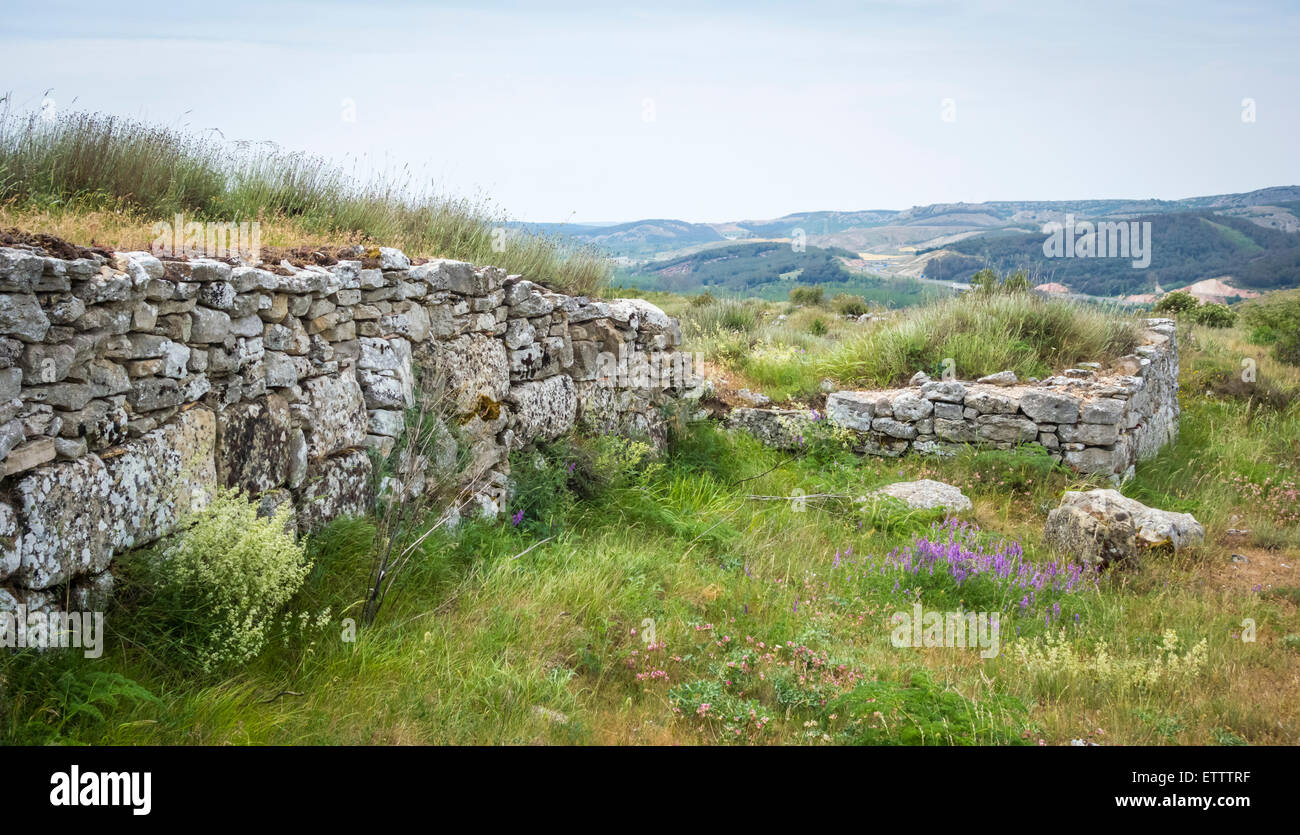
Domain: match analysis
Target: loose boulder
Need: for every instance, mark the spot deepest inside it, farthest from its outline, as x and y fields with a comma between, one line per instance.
x=1101, y=527
x=926, y=494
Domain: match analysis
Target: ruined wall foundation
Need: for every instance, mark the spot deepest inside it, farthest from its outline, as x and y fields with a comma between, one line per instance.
x=1096, y=420
x=132, y=387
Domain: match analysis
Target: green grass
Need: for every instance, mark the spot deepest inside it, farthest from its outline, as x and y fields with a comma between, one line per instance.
x=787, y=350
x=983, y=334
x=641, y=601
x=657, y=585
x=82, y=163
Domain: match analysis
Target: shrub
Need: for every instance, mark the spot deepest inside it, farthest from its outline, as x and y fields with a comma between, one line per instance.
x=807, y=295
x=56, y=699
x=210, y=595
x=1275, y=320
x=921, y=711
x=738, y=317
x=1056, y=661
x=1175, y=303
x=546, y=479
x=818, y=327
x=847, y=304
x=1017, y=282
x=703, y=299
x=987, y=282
x=1214, y=315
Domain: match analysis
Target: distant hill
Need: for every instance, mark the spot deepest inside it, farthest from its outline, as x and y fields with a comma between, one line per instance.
x=1186, y=247
x=1249, y=236
x=638, y=239
x=769, y=270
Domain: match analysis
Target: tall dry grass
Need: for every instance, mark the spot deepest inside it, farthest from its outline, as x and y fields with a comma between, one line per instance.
x=984, y=334
x=137, y=174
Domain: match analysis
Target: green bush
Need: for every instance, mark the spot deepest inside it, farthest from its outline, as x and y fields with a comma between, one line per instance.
x=807, y=295
x=548, y=478
x=736, y=316
x=1275, y=320
x=987, y=282
x=923, y=712
x=55, y=698
x=209, y=596
x=847, y=304
x=818, y=327
x=1175, y=303
x=1214, y=315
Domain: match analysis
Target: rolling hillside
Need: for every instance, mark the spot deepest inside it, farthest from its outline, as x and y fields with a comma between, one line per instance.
x=1242, y=235
x=769, y=270
x=1186, y=247
x=1251, y=239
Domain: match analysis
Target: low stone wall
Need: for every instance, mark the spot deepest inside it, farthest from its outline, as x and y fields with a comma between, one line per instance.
x=132, y=387
x=1098, y=421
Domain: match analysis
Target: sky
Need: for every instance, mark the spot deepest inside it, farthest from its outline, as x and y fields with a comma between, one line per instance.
x=702, y=111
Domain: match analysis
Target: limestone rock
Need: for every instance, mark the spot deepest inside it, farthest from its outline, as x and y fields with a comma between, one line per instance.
x=894, y=428
x=992, y=401
x=927, y=494
x=857, y=409
x=947, y=391
x=1050, y=406
x=252, y=449
x=21, y=316
x=77, y=515
x=780, y=428
x=1002, y=378
x=1104, y=410
x=334, y=487
x=1100, y=527
x=475, y=368
x=544, y=409
x=337, y=411
x=909, y=407
x=1006, y=429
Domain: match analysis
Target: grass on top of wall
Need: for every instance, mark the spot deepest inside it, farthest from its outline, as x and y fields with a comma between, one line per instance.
x=86, y=176
x=983, y=334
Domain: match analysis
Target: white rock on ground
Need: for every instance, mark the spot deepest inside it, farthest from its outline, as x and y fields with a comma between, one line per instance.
x=1100, y=527
x=926, y=494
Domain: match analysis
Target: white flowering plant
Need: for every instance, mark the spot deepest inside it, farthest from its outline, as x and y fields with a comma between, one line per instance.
x=211, y=596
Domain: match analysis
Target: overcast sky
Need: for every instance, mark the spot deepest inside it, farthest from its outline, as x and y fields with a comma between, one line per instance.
x=704, y=111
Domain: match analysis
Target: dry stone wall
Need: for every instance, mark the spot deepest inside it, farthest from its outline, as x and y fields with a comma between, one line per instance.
x=131, y=388
x=1098, y=421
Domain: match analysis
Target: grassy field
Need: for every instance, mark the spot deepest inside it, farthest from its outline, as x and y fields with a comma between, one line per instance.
x=728, y=593
x=93, y=179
